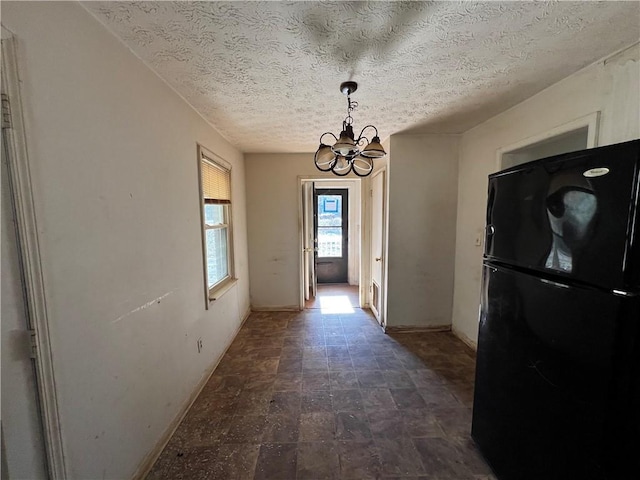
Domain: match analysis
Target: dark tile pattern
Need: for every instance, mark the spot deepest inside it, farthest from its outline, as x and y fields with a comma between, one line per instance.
x=308, y=396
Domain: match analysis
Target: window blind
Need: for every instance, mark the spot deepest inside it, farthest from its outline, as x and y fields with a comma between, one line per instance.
x=216, y=183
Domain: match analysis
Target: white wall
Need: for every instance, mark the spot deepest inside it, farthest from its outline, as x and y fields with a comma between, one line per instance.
x=611, y=87
x=423, y=173
x=113, y=157
x=273, y=225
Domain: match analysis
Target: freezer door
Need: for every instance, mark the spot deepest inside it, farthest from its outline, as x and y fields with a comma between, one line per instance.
x=554, y=380
x=573, y=215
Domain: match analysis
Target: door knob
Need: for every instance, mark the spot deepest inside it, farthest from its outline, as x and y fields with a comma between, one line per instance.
x=378, y=259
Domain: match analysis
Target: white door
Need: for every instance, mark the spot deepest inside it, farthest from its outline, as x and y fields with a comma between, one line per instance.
x=22, y=440
x=377, y=244
x=308, y=241
x=312, y=242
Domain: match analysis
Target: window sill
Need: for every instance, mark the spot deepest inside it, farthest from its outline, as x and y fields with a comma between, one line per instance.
x=220, y=290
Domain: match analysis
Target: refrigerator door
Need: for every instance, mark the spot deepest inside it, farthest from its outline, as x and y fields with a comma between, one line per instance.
x=573, y=216
x=554, y=380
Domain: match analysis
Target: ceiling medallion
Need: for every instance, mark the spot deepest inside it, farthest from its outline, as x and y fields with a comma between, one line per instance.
x=346, y=154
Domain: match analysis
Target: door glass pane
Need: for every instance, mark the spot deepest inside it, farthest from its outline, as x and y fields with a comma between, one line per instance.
x=329, y=242
x=329, y=210
x=329, y=225
x=217, y=265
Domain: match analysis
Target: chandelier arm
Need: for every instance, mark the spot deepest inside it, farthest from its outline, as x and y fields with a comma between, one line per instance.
x=328, y=133
x=362, y=131
x=368, y=172
x=361, y=138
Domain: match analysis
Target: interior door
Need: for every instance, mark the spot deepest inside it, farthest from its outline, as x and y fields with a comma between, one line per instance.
x=377, y=243
x=308, y=237
x=22, y=439
x=313, y=252
x=332, y=235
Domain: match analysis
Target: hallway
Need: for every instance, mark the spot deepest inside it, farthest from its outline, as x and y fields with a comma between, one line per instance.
x=304, y=395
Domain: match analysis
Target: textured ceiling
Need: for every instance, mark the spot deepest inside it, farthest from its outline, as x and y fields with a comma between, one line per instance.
x=267, y=74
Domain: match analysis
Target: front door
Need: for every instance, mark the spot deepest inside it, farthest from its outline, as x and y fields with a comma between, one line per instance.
x=331, y=207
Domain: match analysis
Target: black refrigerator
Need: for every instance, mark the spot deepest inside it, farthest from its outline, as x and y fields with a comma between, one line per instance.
x=557, y=392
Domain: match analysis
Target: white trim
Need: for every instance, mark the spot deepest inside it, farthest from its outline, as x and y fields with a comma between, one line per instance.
x=402, y=329
x=301, y=272
x=219, y=290
x=216, y=291
x=19, y=171
x=590, y=121
x=472, y=344
x=276, y=308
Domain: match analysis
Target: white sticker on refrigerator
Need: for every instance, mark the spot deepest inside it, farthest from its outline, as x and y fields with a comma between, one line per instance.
x=596, y=172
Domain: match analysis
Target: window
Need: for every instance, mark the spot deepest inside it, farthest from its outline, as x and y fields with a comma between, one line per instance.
x=215, y=187
x=330, y=226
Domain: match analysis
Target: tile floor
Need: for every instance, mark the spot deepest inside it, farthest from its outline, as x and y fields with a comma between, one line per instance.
x=329, y=396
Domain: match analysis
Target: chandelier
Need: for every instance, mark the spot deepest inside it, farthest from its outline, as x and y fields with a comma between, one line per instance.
x=349, y=154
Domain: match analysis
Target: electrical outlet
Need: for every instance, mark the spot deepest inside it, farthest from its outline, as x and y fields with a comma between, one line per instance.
x=199, y=343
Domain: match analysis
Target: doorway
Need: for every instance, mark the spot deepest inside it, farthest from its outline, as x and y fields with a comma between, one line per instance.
x=579, y=134
x=331, y=226
x=330, y=240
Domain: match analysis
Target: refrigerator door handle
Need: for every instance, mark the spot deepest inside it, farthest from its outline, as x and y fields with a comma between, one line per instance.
x=622, y=293
x=555, y=284
x=489, y=230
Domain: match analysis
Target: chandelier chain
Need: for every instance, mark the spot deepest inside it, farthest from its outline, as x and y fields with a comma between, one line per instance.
x=351, y=106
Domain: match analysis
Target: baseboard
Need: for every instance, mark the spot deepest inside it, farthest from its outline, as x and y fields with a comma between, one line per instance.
x=417, y=329
x=147, y=464
x=276, y=308
x=464, y=339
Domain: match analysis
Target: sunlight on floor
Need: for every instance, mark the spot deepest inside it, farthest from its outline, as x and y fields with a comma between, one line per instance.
x=336, y=304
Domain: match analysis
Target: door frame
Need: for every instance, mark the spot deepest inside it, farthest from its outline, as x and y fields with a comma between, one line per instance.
x=357, y=230
x=590, y=123
x=31, y=264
